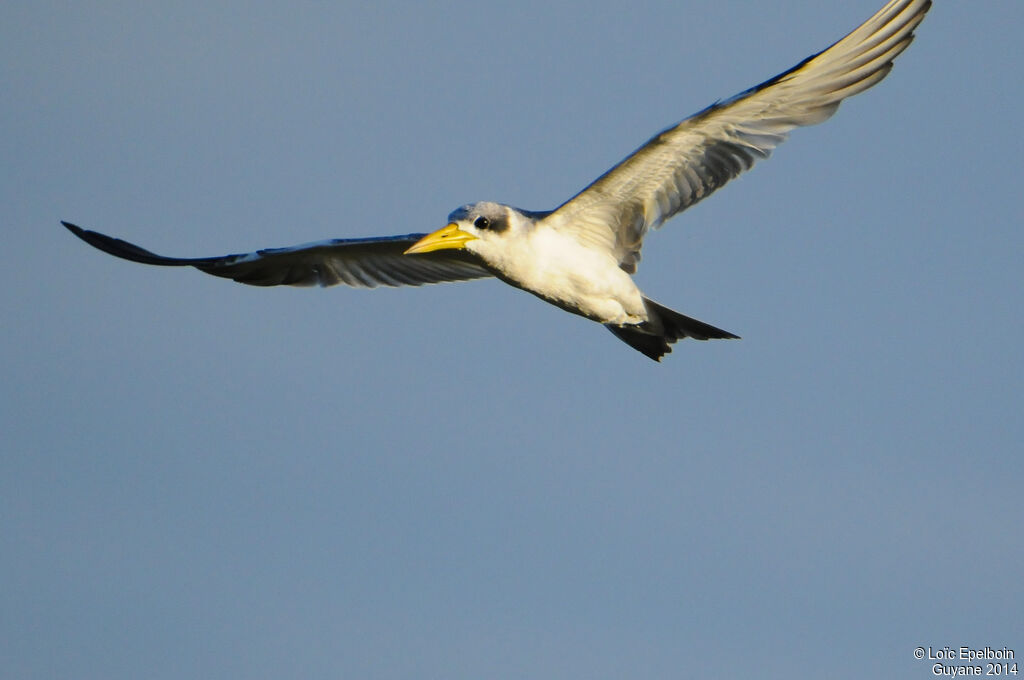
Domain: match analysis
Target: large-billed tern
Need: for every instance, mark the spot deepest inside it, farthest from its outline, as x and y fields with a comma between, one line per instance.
x=580, y=256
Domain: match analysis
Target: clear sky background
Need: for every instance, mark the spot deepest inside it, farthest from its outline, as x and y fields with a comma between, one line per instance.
x=201, y=479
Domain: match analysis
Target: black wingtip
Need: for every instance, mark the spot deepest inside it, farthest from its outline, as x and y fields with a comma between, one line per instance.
x=123, y=249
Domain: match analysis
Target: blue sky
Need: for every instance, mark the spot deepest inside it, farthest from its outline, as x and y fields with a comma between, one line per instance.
x=202, y=479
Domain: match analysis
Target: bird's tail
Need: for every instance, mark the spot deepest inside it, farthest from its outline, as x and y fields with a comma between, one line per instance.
x=662, y=328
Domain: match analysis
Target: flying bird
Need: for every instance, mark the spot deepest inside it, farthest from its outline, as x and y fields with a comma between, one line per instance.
x=581, y=255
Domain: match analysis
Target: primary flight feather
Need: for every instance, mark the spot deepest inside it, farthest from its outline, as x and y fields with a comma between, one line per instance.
x=580, y=256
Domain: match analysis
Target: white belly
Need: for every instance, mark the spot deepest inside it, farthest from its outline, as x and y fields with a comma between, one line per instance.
x=579, y=279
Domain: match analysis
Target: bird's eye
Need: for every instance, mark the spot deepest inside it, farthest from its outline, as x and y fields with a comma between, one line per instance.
x=482, y=223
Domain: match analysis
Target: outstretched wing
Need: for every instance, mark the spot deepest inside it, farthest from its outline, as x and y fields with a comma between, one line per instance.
x=362, y=263
x=684, y=164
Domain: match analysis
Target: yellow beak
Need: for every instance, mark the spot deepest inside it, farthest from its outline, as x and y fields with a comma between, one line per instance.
x=447, y=237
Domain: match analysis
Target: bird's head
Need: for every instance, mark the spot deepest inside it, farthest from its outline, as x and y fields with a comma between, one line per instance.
x=481, y=228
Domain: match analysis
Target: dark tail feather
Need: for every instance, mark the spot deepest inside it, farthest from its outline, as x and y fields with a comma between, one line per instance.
x=662, y=328
x=652, y=345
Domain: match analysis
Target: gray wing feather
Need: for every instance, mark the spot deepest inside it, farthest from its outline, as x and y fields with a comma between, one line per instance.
x=360, y=263
x=686, y=163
